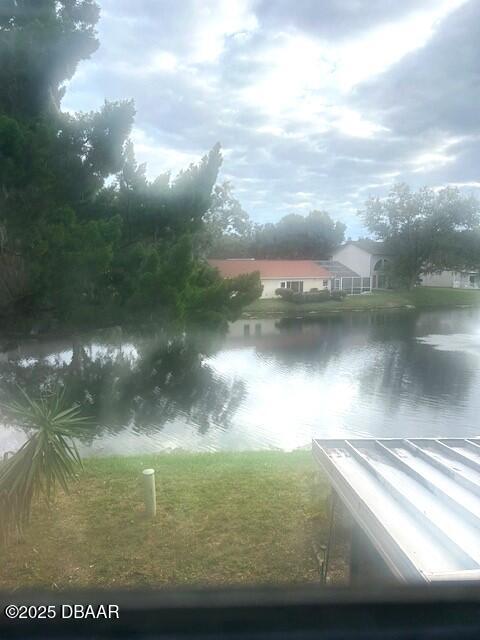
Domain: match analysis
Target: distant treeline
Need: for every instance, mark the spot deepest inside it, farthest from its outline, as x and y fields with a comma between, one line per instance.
x=233, y=234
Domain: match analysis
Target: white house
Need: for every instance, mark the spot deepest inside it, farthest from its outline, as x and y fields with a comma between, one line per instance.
x=345, y=278
x=298, y=275
x=454, y=279
x=367, y=258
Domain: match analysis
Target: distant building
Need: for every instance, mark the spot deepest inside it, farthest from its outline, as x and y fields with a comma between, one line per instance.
x=345, y=279
x=368, y=259
x=356, y=267
x=454, y=279
x=298, y=275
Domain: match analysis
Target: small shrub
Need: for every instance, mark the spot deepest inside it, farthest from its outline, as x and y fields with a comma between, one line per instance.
x=48, y=458
x=285, y=294
x=314, y=295
x=302, y=298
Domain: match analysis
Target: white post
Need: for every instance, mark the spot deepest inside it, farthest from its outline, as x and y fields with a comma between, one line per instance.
x=149, y=494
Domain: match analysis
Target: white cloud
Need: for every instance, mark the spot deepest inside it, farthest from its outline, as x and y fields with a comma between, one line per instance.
x=379, y=49
x=164, y=61
x=289, y=101
x=436, y=158
x=159, y=158
x=217, y=20
x=352, y=123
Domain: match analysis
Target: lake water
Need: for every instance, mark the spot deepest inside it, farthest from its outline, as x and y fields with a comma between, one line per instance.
x=275, y=384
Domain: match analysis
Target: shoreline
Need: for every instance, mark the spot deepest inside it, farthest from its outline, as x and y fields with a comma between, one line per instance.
x=415, y=300
x=332, y=312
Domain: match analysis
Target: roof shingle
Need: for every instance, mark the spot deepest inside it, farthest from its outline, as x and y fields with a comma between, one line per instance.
x=271, y=268
x=338, y=269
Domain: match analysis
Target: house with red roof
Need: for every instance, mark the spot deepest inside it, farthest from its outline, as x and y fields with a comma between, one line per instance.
x=298, y=275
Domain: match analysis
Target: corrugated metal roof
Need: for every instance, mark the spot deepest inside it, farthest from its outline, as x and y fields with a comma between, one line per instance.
x=271, y=268
x=418, y=500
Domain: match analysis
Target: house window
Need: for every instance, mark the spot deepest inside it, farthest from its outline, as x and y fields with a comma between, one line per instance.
x=295, y=285
x=282, y=285
x=381, y=264
x=337, y=283
x=325, y=283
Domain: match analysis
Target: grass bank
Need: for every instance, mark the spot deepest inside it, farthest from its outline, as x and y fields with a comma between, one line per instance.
x=223, y=518
x=418, y=298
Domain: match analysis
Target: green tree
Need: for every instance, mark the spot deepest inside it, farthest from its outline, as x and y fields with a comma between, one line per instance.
x=228, y=228
x=159, y=269
x=71, y=248
x=425, y=230
x=314, y=236
x=52, y=164
x=41, y=44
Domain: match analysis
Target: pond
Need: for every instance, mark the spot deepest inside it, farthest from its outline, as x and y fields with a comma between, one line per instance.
x=268, y=384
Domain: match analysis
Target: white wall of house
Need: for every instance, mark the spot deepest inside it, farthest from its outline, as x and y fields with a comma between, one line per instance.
x=362, y=262
x=355, y=258
x=271, y=284
x=455, y=279
x=442, y=279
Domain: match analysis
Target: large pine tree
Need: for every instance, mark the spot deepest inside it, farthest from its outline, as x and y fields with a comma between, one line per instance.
x=71, y=249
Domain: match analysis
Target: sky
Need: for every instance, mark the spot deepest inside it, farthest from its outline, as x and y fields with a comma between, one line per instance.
x=318, y=104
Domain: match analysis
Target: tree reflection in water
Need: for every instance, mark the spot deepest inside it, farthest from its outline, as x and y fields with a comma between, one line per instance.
x=143, y=383
x=399, y=367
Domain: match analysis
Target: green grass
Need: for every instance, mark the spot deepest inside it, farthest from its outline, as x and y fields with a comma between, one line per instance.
x=420, y=298
x=223, y=518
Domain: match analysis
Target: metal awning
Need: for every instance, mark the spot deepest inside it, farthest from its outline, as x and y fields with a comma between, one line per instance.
x=417, y=500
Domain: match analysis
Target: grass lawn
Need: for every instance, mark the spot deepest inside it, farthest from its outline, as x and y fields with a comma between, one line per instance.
x=222, y=518
x=420, y=298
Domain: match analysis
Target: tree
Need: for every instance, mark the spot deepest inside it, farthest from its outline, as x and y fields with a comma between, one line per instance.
x=41, y=44
x=48, y=458
x=72, y=249
x=424, y=230
x=52, y=164
x=159, y=270
x=294, y=236
x=228, y=229
x=314, y=236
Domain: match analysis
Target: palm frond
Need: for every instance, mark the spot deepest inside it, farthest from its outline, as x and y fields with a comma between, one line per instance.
x=49, y=457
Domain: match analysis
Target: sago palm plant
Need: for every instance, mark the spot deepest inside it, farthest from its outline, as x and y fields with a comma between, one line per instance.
x=48, y=458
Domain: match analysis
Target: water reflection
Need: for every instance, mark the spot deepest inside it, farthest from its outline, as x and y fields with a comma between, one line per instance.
x=126, y=387
x=270, y=384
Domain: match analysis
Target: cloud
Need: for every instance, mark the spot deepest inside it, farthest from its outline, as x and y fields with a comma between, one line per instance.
x=317, y=105
x=438, y=85
x=335, y=19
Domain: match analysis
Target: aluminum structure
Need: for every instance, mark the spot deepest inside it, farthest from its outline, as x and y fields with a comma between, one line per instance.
x=417, y=500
